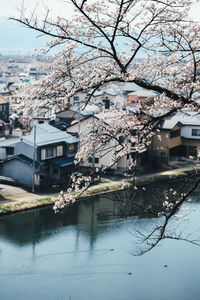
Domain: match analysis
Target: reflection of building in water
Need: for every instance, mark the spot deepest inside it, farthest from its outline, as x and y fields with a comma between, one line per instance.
x=90, y=218
x=94, y=211
x=40, y=224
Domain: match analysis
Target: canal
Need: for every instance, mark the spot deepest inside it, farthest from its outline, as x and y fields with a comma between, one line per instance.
x=86, y=253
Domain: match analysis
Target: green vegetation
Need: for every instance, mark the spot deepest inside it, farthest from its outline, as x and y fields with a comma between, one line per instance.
x=99, y=188
x=160, y=177
x=24, y=205
x=11, y=207
x=110, y=187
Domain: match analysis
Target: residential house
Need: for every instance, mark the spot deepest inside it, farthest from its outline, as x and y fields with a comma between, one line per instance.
x=139, y=97
x=71, y=114
x=7, y=147
x=190, y=134
x=39, y=120
x=79, y=97
x=13, y=92
x=164, y=143
x=179, y=136
x=111, y=95
x=4, y=109
x=47, y=153
x=129, y=87
x=104, y=97
x=103, y=158
x=4, y=129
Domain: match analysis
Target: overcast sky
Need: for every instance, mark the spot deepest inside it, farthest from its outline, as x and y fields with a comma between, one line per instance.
x=16, y=39
x=10, y=7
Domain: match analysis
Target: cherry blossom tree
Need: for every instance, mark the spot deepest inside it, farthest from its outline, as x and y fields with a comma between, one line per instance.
x=165, y=206
x=152, y=43
x=103, y=41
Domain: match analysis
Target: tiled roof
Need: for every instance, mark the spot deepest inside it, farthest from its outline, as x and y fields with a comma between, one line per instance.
x=184, y=118
x=22, y=158
x=45, y=128
x=9, y=142
x=82, y=120
x=131, y=86
x=3, y=100
x=82, y=112
x=143, y=93
x=73, y=113
x=105, y=92
x=47, y=134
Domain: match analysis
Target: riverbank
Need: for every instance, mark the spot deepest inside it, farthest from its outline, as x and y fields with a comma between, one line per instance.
x=25, y=201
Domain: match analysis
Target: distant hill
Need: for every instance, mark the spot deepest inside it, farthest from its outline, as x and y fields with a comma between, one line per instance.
x=16, y=39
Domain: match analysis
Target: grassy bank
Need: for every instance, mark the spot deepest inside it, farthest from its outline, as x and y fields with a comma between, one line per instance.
x=15, y=205
x=12, y=207
x=145, y=180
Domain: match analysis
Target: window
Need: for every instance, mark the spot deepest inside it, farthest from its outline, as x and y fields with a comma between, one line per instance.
x=195, y=132
x=59, y=150
x=175, y=133
x=107, y=103
x=72, y=148
x=9, y=150
x=76, y=98
x=42, y=154
x=46, y=153
x=96, y=160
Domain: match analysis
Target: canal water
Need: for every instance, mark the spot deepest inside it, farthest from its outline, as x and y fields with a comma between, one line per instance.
x=86, y=253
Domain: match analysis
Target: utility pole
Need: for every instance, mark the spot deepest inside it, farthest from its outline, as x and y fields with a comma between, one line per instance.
x=93, y=151
x=79, y=125
x=34, y=157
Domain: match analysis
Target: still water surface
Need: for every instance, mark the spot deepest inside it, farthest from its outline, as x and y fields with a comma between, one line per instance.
x=86, y=254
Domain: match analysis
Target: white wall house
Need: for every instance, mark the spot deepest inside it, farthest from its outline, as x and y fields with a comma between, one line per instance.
x=191, y=131
x=103, y=158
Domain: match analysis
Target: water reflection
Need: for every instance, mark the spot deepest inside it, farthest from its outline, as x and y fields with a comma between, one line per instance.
x=90, y=217
x=41, y=224
x=85, y=253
